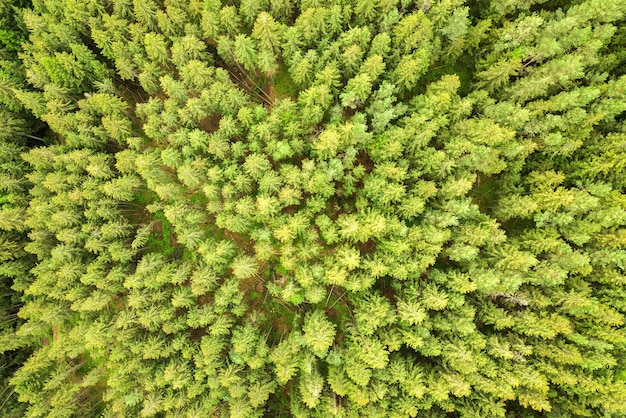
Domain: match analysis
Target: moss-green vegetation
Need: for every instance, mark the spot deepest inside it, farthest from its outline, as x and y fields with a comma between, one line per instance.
x=284, y=85
x=162, y=240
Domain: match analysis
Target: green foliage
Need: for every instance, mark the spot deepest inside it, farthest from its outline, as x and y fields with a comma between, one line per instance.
x=353, y=208
x=319, y=333
x=18, y=128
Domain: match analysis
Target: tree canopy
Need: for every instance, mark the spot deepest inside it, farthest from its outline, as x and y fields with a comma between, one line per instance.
x=313, y=208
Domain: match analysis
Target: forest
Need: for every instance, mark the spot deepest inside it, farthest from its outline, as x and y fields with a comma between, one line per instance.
x=313, y=208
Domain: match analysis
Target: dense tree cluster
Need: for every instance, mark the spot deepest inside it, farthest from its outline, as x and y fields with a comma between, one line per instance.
x=313, y=208
x=18, y=130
